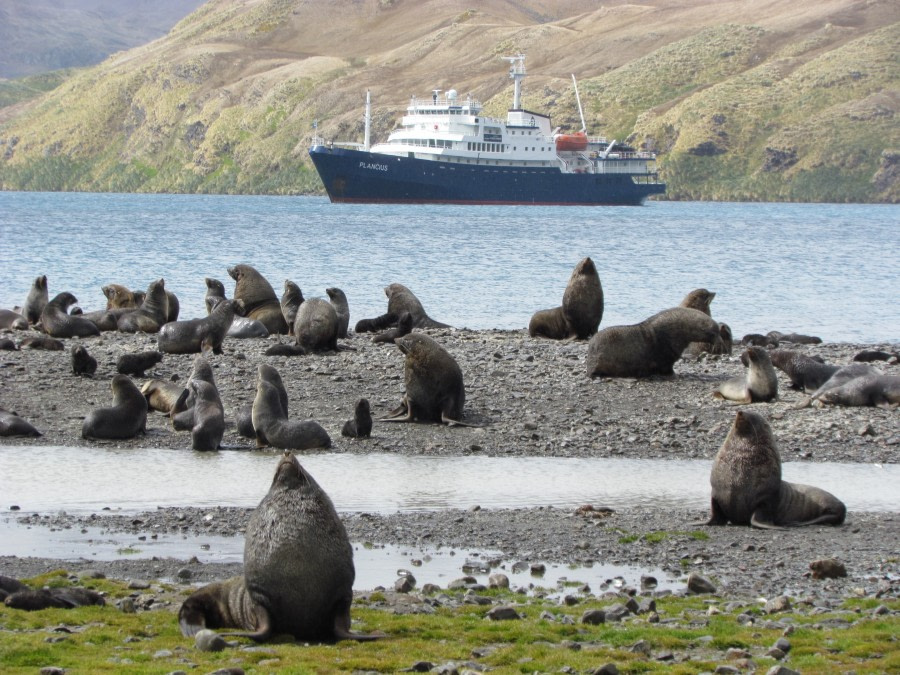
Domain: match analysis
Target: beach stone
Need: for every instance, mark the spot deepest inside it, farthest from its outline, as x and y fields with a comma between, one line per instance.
x=498, y=580
x=726, y=670
x=462, y=582
x=503, y=613
x=209, y=641
x=227, y=671
x=616, y=612
x=163, y=654
x=185, y=573
x=698, y=584
x=781, y=670
x=607, y=669
x=138, y=584
x=127, y=606
x=405, y=584
x=783, y=644
x=779, y=604
x=775, y=653
x=593, y=617
x=646, y=606
x=640, y=647
x=91, y=574
x=733, y=654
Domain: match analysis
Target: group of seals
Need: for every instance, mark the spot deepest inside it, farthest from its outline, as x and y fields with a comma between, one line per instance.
x=581, y=311
x=858, y=384
x=298, y=569
x=747, y=486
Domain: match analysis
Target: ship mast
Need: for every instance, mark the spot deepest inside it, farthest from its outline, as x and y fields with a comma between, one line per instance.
x=368, y=120
x=517, y=73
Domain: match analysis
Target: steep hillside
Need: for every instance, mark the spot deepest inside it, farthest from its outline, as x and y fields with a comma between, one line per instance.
x=782, y=99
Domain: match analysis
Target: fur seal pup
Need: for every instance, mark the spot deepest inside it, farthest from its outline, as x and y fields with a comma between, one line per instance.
x=215, y=292
x=401, y=299
x=403, y=327
x=7, y=345
x=700, y=299
x=758, y=340
x=759, y=385
x=13, y=425
x=241, y=327
x=42, y=342
x=152, y=313
x=342, y=308
x=255, y=298
x=161, y=395
x=57, y=321
x=291, y=299
x=581, y=311
x=125, y=419
x=298, y=569
x=806, y=373
x=874, y=389
x=137, y=363
x=361, y=424
x=10, y=320
x=747, y=486
x=37, y=299
x=209, y=416
x=316, y=326
x=434, y=383
x=796, y=338
x=61, y=598
x=378, y=323
x=869, y=355
x=197, y=335
x=82, y=362
x=272, y=426
x=650, y=347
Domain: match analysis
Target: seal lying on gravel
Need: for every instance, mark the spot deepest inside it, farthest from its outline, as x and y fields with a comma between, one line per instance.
x=255, y=298
x=298, y=569
x=13, y=425
x=401, y=299
x=841, y=377
x=796, y=338
x=650, y=347
x=57, y=322
x=759, y=385
x=581, y=311
x=747, y=486
x=434, y=383
x=125, y=419
x=198, y=335
x=878, y=390
x=42, y=342
x=10, y=320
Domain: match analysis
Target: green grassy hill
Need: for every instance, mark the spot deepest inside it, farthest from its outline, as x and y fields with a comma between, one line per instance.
x=783, y=100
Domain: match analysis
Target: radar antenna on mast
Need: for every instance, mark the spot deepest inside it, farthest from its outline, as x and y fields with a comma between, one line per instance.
x=578, y=99
x=517, y=73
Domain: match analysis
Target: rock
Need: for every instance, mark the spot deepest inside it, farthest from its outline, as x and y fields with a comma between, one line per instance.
x=733, y=654
x=593, y=617
x=405, y=584
x=779, y=604
x=827, y=568
x=783, y=644
x=498, y=580
x=185, y=573
x=640, y=647
x=209, y=641
x=503, y=613
x=697, y=584
x=419, y=667
x=127, y=606
x=781, y=670
x=607, y=669
x=616, y=612
x=52, y=670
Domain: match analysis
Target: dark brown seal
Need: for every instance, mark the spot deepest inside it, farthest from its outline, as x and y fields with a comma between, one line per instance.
x=403, y=327
x=209, y=416
x=401, y=299
x=378, y=323
x=298, y=569
x=342, y=308
x=6, y=344
x=241, y=327
x=361, y=424
x=57, y=321
x=758, y=385
x=10, y=320
x=758, y=340
x=82, y=362
x=182, y=413
x=255, y=298
x=581, y=311
x=244, y=416
x=125, y=419
x=42, y=342
x=747, y=486
x=152, y=313
x=806, y=373
x=272, y=426
x=198, y=335
x=869, y=355
x=434, y=383
x=291, y=300
x=796, y=338
x=316, y=326
x=13, y=425
x=650, y=347
x=701, y=299
x=38, y=297
x=32, y=600
x=137, y=363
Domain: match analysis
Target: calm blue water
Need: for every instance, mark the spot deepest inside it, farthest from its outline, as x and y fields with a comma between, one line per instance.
x=829, y=270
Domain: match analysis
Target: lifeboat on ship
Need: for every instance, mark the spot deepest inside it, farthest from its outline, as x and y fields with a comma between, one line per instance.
x=571, y=142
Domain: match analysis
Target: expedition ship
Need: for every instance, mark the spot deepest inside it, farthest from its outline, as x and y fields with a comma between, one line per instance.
x=446, y=152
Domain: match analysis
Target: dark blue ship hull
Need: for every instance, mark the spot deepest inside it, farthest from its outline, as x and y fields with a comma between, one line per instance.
x=357, y=176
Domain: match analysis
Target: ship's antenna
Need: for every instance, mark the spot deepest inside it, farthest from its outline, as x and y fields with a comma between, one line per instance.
x=578, y=99
x=367, y=120
x=517, y=73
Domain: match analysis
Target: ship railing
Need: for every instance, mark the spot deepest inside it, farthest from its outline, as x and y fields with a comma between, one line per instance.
x=317, y=140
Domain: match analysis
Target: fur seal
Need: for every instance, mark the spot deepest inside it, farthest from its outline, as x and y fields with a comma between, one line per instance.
x=650, y=347
x=758, y=340
x=244, y=417
x=581, y=311
x=57, y=322
x=7, y=345
x=796, y=338
x=215, y=292
x=161, y=395
x=378, y=323
x=10, y=320
x=136, y=364
x=874, y=389
x=125, y=419
x=182, y=413
x=152, y=313
x=361, y=424
x=700, y=299
x=255, y=298
x=316, y=326
x=403, y=327
x=82, y=362
x=759, y=385
x=10, y=585
x=806, y=373
x=747, y=486
x=13, y=425
x=119, y=297
x=272, y=426
x=434, y=383
x=42, y=342
x=241, y=327
x=342, y=308
x=869, y=355
x=401, y=299
x=61, y=598
x=209, y=416
x=298, y=569
x=197, y=335
x=37, y=299
x=291, y=300
x=841, y=377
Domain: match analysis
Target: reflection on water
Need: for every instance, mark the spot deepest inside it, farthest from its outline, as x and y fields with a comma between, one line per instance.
x=88, y=479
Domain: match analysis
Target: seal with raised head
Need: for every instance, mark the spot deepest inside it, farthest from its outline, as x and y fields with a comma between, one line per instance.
x=342, y=308
x=434, y=383
x=197, y=335
x=401, y=299
x=581, y=311
x=241, y=327
x=10, y=320
x=38, y=297
x=13, y=425
x=244, y=417
x=650, y=347
x=209, y=416
x=82, y=362
x=316, y=326
x=215, y=292
x=137, y=363
x=298, y=569
x=403, y=327
x=747, y=486
x=182, y=413
x=125, y=419
x=272, y=426
x=291, y=299
x=701, y=299
x=255, y=298
x=805, y=372
x=758, y=385
x=361, y=424
x=152, y=313
x=57, y=321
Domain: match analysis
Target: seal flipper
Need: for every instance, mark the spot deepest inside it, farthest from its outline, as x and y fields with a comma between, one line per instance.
x=342, y=629
x=763, y=521
x=403, y=413
x=456, y=423
x=717, y=516
x=264, y=628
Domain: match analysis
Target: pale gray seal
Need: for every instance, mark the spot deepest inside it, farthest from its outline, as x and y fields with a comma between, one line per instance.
x=82, y=362
x=747, y=486
x=875, y=389
x=298, y=569
x=401, y=299
x=57, y=322
x=255, y=298
x=291, y=300
x=13, y=425
x=316, y=326
x=10, y=320
x=198, y=335
x=806, y=373
x=361, y=424
x=125, y=419
x=758, y=385
x=342, y=308
x=581, y=311
x=38, y=297
x=161, y=395
x=152, y=313
x=650, y=347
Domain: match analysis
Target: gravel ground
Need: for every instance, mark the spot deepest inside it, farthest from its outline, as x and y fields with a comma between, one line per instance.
x=532, y=398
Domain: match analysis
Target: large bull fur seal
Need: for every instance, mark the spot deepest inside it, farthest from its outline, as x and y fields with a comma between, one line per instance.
x=125, y=419
x=298, y=569
x=57, y=321
x=401, y=299
x=650, y=347
x=316, y=327
x=255, y=298
x=581, y=311
x=747, y=486
x=198, y=335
